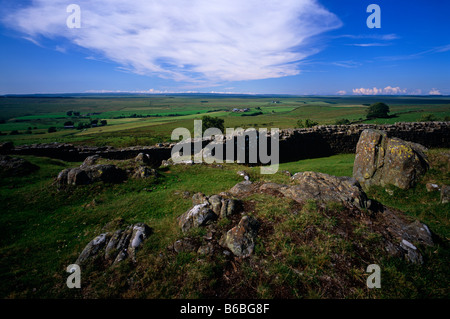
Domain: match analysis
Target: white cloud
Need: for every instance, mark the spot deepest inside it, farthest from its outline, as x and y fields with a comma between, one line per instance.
x=196, y=40
x=389, y=90
x=434, y=92
x=342, y=92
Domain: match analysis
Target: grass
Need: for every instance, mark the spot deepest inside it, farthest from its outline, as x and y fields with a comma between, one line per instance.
x=298, y=254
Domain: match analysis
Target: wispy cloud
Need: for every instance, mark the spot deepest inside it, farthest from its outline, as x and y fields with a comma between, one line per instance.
x=380, y=37
x=370, y=44
x=389, y=90
x=434, y=92
x=347, y=64
x=438, y=49
x=197, y=40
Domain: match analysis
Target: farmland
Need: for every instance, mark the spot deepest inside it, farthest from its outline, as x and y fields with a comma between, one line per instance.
x=149, y=119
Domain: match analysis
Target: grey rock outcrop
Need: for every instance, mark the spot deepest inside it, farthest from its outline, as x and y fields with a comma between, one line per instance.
x=381, y=160
x=206, y=210
x=320, y=187
x=114, y=247
x=87, y=174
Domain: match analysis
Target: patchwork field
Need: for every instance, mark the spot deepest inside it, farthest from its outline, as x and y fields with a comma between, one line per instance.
x=143, y=120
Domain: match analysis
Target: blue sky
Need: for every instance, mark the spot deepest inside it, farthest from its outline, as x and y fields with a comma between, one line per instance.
x=255, y=46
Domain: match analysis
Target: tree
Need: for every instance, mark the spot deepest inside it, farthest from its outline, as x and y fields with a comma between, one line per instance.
x=428, y=118
x=52, y=129
x=103, y=122
x=210, y=122
x=68, y=123
x=69, y=113
x=378, y=110
x=307, y=124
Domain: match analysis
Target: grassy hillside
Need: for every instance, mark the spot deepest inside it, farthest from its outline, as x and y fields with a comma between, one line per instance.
x=43, y=230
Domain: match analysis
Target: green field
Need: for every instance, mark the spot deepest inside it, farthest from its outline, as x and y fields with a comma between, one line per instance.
x=141, y=120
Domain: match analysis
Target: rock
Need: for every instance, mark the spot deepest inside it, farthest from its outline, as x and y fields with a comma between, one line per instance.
x=143, y=172
x=184, y=245
x=93, y=248
x=445, y=194
x=322, y=188
x=244, y=174
x=114, y=247
x=186, y=194
x=216, y=203
x=382, y=161
x=197, y=216
x=431, y=187
x=199, y=198
x=90, y=160
x=241, y=239
x=12, y=166
x=242, y=188
x=87, y=174
x=207, y=249
x=402, y=235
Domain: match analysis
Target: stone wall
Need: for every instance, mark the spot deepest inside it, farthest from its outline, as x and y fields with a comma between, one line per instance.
x=295, y=144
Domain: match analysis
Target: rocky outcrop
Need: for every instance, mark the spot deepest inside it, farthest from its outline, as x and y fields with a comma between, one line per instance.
x=88, y=174
x=12, y=166
x=381, y=160
x=207, y=210
x=401, y=235
x=114, y=247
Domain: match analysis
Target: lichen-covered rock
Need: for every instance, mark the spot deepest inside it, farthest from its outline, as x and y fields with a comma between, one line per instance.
x=114, y=247
x=381, y=160
x=241, y=239
x=143, y=172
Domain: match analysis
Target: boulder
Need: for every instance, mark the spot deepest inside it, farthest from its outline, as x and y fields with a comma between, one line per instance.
x=381, y=160
x=199, y=215
x=114, y=247
x=241, y=239
x=12, y=166
x=242, y=188
x=87, y=174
